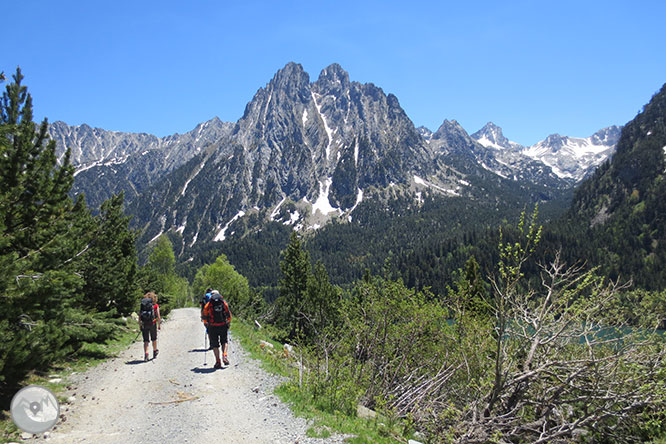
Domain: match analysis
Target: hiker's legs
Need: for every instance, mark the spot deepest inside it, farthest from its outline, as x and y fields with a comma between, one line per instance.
x=214, y=336
x=153, y=337
x=146, y=340
x=225, y=343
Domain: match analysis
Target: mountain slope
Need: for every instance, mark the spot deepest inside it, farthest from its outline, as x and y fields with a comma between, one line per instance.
x=623, y=203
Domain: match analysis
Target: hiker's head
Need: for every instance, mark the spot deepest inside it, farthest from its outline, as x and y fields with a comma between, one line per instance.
x=208, y=290
x=214, y=292
x=152, y=296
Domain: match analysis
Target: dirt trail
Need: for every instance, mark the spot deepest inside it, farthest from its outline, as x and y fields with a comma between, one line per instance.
x=176, y=399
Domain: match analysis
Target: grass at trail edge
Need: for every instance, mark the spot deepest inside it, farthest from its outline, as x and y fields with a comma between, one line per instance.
x=323, y=424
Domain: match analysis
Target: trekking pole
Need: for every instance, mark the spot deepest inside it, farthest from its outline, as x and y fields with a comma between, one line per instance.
x=205, y=348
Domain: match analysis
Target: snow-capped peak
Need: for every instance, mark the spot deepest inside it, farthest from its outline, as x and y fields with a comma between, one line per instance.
x=575, y=157
x=491, y=136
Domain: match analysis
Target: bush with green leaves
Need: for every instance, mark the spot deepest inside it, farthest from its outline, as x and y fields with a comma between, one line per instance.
x=222, y=276
x=551, y=362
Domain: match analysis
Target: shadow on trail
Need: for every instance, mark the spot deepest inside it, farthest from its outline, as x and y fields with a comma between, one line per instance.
x=205, y=370
x=135, y=362
x=197, y=350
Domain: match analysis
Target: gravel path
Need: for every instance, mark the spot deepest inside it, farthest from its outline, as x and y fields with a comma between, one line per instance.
x=126, y=400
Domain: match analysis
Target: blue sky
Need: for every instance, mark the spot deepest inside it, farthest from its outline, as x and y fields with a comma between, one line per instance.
x=532, y=67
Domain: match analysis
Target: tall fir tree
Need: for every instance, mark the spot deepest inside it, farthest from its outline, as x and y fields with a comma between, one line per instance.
x=323, y=303
x=38, y=253
x=110, y=267
x=295, y=267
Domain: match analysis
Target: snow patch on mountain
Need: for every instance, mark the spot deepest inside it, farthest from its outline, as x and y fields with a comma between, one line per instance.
x=359, y=199
x=222, y=233
x=293, y=218
x=277, y=209
x=201, y=165
x=422, y=182
x=323, y=204
x=329, y=131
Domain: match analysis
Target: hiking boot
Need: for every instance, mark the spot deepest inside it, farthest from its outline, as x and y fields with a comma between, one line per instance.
x=217, y=365
x=155, y=354
x=145, y=358
x=225, y=360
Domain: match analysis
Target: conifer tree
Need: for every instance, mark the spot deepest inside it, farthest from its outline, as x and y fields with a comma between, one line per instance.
x=110, y=267
x=38, y=252
x=295, y=267
x=322, y=305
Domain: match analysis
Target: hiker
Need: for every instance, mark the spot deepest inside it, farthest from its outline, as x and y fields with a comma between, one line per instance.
x=204, y=299
x=217, y=318
x=202, y=302
x=149, y=322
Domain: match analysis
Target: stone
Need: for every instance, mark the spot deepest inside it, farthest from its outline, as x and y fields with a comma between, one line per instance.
x=364, y=412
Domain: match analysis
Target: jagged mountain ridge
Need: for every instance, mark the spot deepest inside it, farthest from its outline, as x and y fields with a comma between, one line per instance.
x=302, y=153
x=318, y=146
x=108, y=161
x=452, y=142
x=569, y=158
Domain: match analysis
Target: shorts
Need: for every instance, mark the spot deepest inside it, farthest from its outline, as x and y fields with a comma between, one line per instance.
x=217, y=335
x=152, y=331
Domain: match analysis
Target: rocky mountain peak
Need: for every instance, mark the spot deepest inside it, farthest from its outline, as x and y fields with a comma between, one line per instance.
x=334, y=74
x=491, y=136
x=607, y=136
x=448, y=127
x=291, y=81
x=555, y=140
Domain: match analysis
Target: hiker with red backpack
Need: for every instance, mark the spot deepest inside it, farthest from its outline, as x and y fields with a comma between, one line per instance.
x=217, y=318
x=149, y=322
